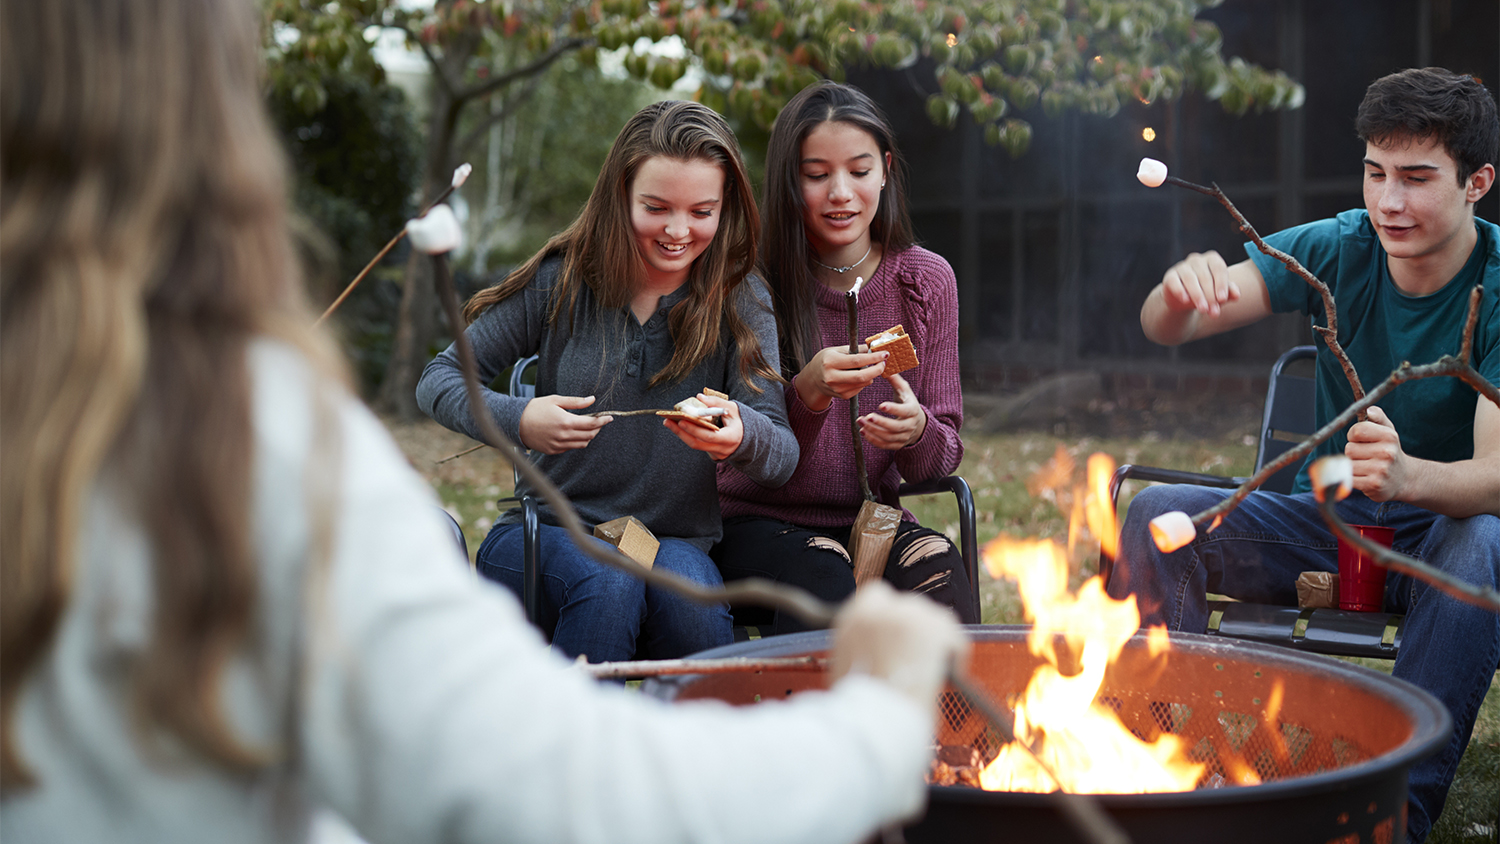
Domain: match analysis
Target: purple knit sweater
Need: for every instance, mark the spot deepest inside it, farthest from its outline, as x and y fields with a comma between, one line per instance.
x=916, y=289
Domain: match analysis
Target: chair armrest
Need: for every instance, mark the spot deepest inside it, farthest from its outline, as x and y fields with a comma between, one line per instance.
x=967, y=521
x=1130, y=471
x=531, y=581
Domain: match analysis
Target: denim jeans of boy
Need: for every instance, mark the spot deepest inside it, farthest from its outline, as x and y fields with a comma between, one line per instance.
x=1449, y=647
x=591, y=609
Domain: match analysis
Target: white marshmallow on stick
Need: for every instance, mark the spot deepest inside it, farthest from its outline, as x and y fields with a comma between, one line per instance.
x=1335, y=469
x=1152, y=173
x=435, y=232
x=461, y=174
x=859, y=282
x=1172, y=530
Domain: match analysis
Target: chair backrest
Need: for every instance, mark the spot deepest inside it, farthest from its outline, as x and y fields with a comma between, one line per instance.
x=1288, y=417
x=524, y=369
x=520, y=387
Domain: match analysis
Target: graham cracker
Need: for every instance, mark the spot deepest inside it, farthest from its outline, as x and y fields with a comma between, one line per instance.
x=712, y=423
x=632, y=538
x=903, y=354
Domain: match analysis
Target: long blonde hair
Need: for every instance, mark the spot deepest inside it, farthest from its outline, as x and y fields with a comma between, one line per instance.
x=598, y=249
x=144, y=240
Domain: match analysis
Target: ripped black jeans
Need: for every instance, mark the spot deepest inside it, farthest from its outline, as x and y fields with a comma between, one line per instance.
x=921, y=560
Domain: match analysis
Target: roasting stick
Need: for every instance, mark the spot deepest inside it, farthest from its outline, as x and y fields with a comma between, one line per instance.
x=713, y=411
x=1332, y=480
x=469, y=450
x=460, y=175
x=1152, y=173
x=670, y=667
x=851, y=302
x=1176, y=529
x=874, y=528
x=1081, y=809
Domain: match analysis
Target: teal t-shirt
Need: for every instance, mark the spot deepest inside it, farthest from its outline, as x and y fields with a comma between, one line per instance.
x=1380, y=326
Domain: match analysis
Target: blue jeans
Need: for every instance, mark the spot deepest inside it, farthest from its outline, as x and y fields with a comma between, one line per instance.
x=591, y=609
x=1450, y=648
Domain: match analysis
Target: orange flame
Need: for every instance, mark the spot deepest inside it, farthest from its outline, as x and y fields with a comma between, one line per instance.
x=1059, y=715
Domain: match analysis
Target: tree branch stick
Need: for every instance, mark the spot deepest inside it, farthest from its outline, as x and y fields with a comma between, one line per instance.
x=381, y=254
x=500, y=80
x=643, y=412
x=672, y=667
x=1081, y=810
x=1479, y=596
x=851, y=301
x=469, y=450
x=1445, y=366
x=1328, y=333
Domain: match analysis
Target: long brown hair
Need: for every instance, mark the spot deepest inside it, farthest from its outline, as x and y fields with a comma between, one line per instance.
x=144, y=238
x=598, y=249
x=786, y=256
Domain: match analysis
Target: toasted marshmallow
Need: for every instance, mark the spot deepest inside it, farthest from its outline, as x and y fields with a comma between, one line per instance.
x=1333, y=470
x=436, y=232
x=1152, y=173
x=1172, y=530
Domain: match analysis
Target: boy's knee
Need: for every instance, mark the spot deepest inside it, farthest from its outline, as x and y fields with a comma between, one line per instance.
x=1152, y=501
x=1471, y=549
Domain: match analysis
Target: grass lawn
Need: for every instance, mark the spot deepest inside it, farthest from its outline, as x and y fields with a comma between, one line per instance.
x=998, y=467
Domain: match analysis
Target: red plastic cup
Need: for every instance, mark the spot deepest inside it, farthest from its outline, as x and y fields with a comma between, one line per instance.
x=1361, y=581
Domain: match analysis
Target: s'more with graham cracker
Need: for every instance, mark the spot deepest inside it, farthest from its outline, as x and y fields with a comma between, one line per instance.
x=692, y=410
x=894, y=340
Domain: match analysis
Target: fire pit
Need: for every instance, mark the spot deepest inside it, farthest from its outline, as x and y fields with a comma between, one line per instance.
x=1329, y=742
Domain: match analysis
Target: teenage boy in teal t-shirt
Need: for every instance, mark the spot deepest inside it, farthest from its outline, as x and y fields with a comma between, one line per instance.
x=1427, y=460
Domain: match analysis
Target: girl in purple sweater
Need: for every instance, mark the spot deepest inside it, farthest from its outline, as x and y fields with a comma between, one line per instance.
x=835, y=211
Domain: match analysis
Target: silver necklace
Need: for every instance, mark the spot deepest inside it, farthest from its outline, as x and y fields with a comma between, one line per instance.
x=842, y=270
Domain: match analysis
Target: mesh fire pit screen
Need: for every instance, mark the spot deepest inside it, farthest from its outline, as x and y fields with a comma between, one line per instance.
x=1330, y=750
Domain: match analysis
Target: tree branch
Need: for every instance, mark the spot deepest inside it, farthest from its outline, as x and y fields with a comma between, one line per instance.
x=478, y=130
x=1446, y=366
x=541, y=63
x=1330, y=332
x=1479, y=596
x=636, y=669
x=851, y=301
x=438, y=71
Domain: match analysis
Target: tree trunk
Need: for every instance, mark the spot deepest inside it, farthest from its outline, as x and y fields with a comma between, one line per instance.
x=418, y=319
x=416, y=327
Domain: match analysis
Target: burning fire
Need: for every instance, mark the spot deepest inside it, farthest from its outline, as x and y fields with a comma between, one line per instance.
x=1078, y=635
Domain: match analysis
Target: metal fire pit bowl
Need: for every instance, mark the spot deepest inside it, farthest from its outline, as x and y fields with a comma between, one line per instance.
x=1350, y=736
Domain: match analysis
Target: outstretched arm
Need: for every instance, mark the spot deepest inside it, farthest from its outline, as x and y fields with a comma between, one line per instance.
x=1459, y=489
x=1201, y=296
